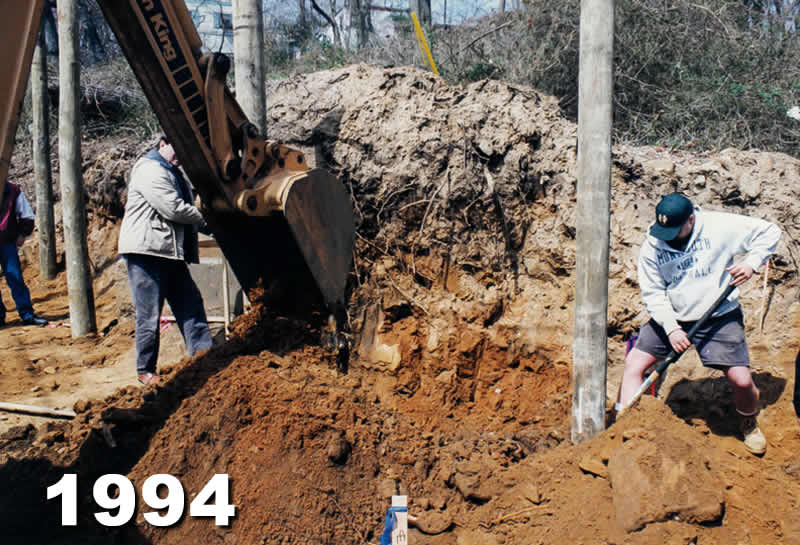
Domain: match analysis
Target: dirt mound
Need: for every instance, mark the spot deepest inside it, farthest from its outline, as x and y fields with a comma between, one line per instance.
x=105, y=165
x=458, y=393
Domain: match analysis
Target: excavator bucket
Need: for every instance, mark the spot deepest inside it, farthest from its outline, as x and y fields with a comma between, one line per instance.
x=283, y=228
x=302, y=250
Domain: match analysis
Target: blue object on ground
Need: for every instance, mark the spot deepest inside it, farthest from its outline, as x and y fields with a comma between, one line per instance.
x=388, y=525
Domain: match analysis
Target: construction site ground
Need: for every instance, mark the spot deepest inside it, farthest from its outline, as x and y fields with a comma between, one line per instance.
x=459, y=389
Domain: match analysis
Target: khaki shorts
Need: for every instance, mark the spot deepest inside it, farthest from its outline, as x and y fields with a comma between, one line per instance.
x=720, y=343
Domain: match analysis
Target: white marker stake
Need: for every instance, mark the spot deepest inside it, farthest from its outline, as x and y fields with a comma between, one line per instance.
x=400, y=531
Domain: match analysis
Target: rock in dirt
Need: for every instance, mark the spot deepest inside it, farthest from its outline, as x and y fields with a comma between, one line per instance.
x=338, y=449
x=663, y=478
x=474, y=482
x=19, y=433
x=595, y=466
x=432, y=523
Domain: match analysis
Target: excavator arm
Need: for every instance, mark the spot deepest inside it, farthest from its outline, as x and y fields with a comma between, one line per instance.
x=20, y=25
x=280, y=224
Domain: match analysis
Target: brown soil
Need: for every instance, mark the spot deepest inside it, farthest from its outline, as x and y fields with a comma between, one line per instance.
x=459, y=390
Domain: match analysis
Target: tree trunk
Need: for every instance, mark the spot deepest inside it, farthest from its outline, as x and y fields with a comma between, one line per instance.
x=94, y=44
x=248, y=54
x=303, y=22
x=501, y=6
x=423, y=10
x=337, y=37
x=79, y=280
x=359, y=11
x=40, y=106
x=595, y=88
x=51, y=29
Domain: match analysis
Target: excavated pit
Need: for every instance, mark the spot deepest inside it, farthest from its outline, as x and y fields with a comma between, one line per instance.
x=459, y=390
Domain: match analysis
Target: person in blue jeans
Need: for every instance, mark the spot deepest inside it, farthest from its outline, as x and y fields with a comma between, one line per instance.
x=158, y=238
x=16, y=224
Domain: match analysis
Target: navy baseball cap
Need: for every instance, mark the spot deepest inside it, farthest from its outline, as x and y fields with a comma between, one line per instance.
x=671, y=213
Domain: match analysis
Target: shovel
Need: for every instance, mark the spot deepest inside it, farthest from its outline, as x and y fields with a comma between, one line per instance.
x=672, y=357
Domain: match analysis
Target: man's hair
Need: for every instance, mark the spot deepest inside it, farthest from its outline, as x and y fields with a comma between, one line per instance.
x=163, y=138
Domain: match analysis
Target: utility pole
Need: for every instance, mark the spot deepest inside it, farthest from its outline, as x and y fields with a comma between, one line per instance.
x=40, y=103
x=595, y=88
x=248, y=56
x=79, y=280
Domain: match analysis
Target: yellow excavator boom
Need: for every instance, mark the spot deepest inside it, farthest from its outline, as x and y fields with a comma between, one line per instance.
x=280, y=224
x=19, y=25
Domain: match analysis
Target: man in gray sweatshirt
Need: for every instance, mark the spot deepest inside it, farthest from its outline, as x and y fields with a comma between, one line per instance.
x=685, y=263
x=158, y=238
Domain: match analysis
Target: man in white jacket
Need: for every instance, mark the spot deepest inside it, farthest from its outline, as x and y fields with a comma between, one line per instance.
x=684, y=265
x=157, y=238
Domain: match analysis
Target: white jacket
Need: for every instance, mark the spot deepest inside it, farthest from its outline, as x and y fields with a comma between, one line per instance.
x=157, y=220
x=682, y=285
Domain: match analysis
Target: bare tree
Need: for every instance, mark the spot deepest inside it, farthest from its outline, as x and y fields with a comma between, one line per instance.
x=337, y=36
x=423, y=10
x=94, y=48
x=302, y=18
x=51, y=29
x=595, y=88
x=40, y=106
x=248, y=54
x=778, y=17
x=79, y=280
x=359, y=20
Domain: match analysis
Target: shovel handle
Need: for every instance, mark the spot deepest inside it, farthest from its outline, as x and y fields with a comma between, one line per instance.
x=673, y=356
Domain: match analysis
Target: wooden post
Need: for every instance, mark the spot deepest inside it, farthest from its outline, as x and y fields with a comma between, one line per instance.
x=79, y=280
x=248, y=56
x=38, y=411
x=40, y=104
x=595, y=88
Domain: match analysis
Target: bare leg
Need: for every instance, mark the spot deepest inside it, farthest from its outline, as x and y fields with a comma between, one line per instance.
x=745, y=392
x=636, y=363
x=745, y=397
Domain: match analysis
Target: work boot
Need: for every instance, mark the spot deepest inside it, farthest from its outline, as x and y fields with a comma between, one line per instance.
x=35, y=320
x=754, y=440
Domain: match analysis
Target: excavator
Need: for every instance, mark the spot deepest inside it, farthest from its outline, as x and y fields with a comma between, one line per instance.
x=282, y=226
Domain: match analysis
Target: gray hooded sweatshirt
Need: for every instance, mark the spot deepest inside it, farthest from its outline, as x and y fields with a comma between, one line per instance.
x=680, y=285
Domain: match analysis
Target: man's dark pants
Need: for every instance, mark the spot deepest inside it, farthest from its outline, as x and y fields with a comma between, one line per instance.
x=154, y=279
x=12, y=269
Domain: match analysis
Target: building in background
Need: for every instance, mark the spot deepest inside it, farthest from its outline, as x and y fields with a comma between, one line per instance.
x=214, y=22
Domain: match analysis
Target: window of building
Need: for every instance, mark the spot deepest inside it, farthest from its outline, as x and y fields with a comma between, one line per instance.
x=223, y=21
